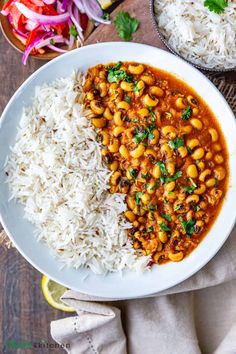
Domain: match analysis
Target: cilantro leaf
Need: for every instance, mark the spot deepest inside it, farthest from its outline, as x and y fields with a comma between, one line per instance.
x=133, y=173
x=73, y=31
x=52, y=41
x=127, y=99
x=106, y=16
x=116, y=75
x=217, y=6
x=190, y=189
x=156, y=185
x=152, y=114
x=126, y=25
x=166, y=216
x=149, y=229
x=144, y=134
x=186, y=114
x=163, y=169
x=144, y=175
x=188, y=226
x=138, y=196
x=176, y=143
x=152, y=208
x=164, y=227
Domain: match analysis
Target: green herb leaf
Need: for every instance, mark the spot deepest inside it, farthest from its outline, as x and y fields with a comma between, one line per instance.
x=52, y=41
x=127, y=99
x=217, y=6
x=144, y=175
x=188, y=226
x=196, y=208
x=138, y=196
x=189, y=150
x=152, y=208
x=126, y=25
x=106, y=16
x=168, y=179
x=152, y=114
x=176, y=143
x=166, y=216
x=164, y=227
x=116, y=75
x=178, y=207
x=163, y=169
x=135, y=88
x=73, y=31
x=133, y=173
x=156, y=185
x=149, y=229
x=186, y=114
x=142, y=135
x=190, y=189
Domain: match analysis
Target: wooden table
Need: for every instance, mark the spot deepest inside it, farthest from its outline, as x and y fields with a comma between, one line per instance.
x=25, y=315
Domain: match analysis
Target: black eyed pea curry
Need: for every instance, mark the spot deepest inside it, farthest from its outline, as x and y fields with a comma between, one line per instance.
x=167, y=154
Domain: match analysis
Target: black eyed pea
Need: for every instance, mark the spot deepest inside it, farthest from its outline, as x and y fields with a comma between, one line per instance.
x=143, y=112
x=169, y=131
x=204, y=174
x=105, y=137
x=219, y=173
x=194, y=198
x=170, y=166
x=145, y=198
x=99, y=122
x=186, y=129
x=150, y=102
x=162, y=235
x=181, y=103
x=156, y=137
x=148, y=79
x=193, y=143
x=107, y=114
x=138, y=152
x=97, y=107
x=192, y=171
x=114, y=147
x=130, y=202
x=166, y=151
x=176, y=257
x=211, y=182
x=130, y=216
x=217, y=147
x=123, y=105
x=126, y=86
x=124, y=151
x=118, y=119
x=214, y=135
x=169, y=187
x=198, y=154
x=139, y=88
x=90, y=96
x=114, y=180
x=156, y=91
x=117, y=131
x=114, y=165
x=192, y=101
x=182, y=150
x=196, y=123
x=201, y=189
x=218, y=158
x=103, y=89
x=136, y=69
x=150, y=152
x=156, y=172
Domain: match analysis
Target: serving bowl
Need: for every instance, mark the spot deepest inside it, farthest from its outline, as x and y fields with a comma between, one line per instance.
x=163, y=39
x=113, y=285
x=15, y=43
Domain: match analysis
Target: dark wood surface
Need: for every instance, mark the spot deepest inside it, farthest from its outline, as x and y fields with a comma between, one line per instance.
x=24, y=314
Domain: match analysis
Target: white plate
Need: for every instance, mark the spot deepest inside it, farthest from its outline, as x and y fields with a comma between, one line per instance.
x=113, y=285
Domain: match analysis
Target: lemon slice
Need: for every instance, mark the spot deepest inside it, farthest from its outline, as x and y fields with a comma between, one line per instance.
x=105, y=3
x=52, y=292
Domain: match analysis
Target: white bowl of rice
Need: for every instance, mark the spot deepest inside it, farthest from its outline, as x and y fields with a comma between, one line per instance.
x=54, y=203
x=202, y=37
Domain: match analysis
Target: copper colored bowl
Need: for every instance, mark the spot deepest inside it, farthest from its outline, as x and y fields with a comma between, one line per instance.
x=48, y=55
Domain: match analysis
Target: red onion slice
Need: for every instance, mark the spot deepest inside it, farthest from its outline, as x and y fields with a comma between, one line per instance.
x=56, y=49
x=76, y=23
x=47, y=41
x=30, y=47
x=42, y=19
x=91, y=13
x=49, y=2
x=80, y=6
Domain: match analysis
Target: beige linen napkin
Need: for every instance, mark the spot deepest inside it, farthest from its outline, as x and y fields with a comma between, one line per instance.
x=196, y=316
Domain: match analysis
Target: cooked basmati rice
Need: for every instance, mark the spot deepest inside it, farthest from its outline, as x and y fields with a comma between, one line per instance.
x=55, y=170
x=199, y=35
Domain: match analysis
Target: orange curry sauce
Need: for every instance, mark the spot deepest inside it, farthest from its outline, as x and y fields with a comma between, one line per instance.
x=167, y=153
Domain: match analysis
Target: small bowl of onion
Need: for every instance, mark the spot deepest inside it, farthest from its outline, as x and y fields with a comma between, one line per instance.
x=45, y=29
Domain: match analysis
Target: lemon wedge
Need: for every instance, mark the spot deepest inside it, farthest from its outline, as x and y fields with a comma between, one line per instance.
x=105, y=3
x=52, y=292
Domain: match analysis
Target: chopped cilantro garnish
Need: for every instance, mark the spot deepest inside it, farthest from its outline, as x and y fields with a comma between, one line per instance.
x=186, y=114
x=144, y=134
x=133, y=173
x=176, y=143
x=178, y=207
x=149, y=229
x=73, y=31
x=217, y=6
x=189, y=150
x=152, y=208
x=127, y=99
x=188, y=226
x=163, y=169
x=152, y=114
x=166, y=216
x=135, y=88
x=196, y=208
x=134, y=120
x=116, y=75
x=138, y=196
x=144, y=175
x=126, y=25
x=156, y=185
x=190, y=189
x=52, y=41
x=106, y=16
x=164, y=227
